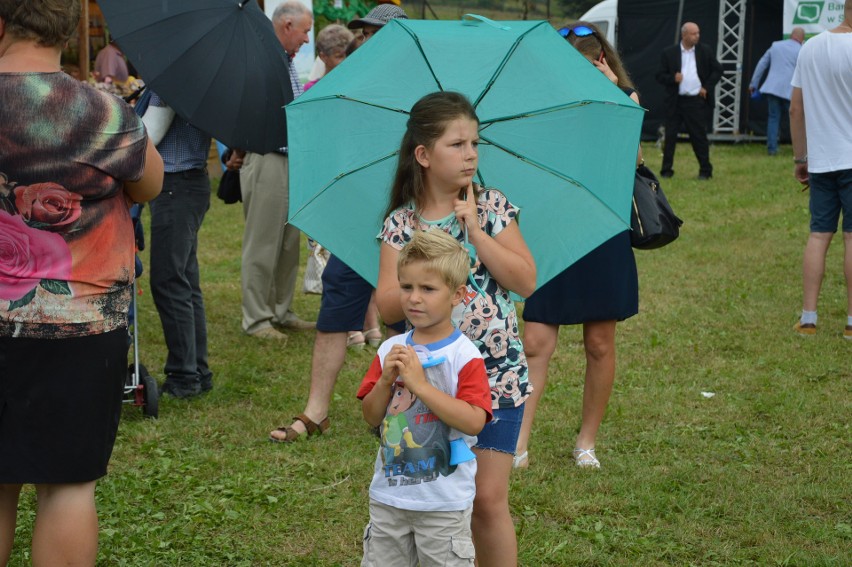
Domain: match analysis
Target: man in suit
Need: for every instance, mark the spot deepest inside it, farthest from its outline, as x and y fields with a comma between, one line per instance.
x=780, y=60
x=688, y=71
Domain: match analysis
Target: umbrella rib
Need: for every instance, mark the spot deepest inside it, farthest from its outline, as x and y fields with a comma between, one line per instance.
x=549, y=170
x=340, y=176
x=487, y=122
x=505, y=60
x=422, y=53
x=350, y=99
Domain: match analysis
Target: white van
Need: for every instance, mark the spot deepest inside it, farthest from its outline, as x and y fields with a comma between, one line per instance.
x=604, y=16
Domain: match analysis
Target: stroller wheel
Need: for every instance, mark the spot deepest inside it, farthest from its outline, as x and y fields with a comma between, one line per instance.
x=151, y=408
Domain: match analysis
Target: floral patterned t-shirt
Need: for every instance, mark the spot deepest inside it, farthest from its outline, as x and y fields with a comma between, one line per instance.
x=66, y=239
x=489, y=320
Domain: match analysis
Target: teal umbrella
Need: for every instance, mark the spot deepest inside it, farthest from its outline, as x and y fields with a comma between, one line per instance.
x=557, y=137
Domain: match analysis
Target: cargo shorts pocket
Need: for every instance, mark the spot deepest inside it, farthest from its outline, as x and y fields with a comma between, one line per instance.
x=463, y=552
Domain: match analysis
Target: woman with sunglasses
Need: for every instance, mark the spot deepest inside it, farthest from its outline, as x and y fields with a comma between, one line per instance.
x=597, y=291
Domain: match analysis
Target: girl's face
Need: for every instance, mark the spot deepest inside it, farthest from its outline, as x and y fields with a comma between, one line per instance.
x=451, y=162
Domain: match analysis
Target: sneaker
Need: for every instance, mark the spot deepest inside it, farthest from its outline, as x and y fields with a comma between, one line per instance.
x=268, y=333
x=180, y=390
x=667, y=174
x=297, y=324
x=847, y=332
x=206, y=384
x=805, y=329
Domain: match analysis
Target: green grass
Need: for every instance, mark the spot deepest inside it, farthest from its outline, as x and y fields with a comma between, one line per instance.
x=759, y=474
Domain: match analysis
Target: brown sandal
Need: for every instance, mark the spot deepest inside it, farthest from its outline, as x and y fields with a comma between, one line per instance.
x=311, y=429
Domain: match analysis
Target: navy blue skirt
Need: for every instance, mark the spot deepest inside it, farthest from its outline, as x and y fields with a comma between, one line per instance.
x=601, y=286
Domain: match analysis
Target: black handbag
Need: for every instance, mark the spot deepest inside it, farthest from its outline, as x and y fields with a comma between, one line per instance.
x=229, y=187
x=653, y=223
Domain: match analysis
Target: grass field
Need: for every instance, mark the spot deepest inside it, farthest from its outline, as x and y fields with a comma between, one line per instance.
x=758, y=474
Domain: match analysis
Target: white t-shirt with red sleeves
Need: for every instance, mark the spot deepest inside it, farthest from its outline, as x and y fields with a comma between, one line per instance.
x=412, y=470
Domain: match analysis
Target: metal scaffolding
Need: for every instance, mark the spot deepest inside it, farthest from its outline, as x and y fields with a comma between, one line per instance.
x=729, y=52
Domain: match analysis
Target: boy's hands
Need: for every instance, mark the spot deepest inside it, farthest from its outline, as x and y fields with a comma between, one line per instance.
x=403, y=361
x=390, y=368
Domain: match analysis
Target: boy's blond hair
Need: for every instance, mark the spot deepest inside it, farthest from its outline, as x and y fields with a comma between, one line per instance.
x=441, y=253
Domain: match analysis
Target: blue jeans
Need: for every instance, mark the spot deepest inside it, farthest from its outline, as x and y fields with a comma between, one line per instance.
x=176, y=216
x=777, y=107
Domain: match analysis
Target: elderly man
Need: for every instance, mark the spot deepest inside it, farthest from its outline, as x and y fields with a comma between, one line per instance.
x=688, y=71
x=780, y=60
x=821, y=125
x=270, y=259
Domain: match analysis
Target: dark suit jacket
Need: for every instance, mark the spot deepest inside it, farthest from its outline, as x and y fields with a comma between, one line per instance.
x=709, y=72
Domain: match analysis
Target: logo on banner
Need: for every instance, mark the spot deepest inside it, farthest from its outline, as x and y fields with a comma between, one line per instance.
x=808, y=12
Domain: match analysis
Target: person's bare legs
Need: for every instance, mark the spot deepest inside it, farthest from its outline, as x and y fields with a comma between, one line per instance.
x=493, y=531
x=847, y=270
x=9, y=494
x=813, y=268
x=326, y=362
x=599, y=342
x=539, y=346
x=66, y=525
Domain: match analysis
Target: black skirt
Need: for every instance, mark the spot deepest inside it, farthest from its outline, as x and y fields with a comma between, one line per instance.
x=601, y=286
x=60, y=403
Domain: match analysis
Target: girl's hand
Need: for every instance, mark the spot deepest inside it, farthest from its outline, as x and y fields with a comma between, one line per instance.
x=603, y=67
x=466, y=211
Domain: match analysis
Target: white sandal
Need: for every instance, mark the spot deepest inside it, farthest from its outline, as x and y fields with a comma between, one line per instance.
x=355, y=340
x=586, y=458
x=521, y=461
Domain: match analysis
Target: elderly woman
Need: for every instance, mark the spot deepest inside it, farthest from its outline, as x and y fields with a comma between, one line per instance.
x=331, y=44
x=71, y=160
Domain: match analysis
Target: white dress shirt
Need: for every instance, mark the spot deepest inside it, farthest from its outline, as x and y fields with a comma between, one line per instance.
x=691, y=84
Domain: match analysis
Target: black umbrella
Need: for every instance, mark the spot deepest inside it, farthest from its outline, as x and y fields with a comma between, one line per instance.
x=217, y=63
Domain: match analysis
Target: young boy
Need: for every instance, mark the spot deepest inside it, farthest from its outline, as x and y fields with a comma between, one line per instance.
x=420, y=498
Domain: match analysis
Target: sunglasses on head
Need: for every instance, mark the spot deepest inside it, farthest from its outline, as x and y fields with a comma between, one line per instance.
x=579, y=31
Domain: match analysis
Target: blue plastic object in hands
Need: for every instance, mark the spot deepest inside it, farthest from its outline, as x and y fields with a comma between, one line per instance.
x=460, y=452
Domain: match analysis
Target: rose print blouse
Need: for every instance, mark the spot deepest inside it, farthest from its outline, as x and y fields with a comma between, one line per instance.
x=489, y=320
x=66, y=239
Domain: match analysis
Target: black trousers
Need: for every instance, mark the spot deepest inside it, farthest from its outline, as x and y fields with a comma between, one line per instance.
x=692, y=111
x=176, y=217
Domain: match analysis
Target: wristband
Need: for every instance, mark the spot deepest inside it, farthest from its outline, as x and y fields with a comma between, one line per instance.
x=801, y=160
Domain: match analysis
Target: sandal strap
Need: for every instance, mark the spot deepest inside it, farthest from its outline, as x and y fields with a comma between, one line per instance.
x=586, y=457
x=311, y=427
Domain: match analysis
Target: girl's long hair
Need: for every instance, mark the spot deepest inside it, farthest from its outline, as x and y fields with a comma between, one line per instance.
x=428, y=120
x=592, y=45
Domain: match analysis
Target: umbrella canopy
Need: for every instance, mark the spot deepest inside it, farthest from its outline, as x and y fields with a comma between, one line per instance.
x=217, y=63
x=557, y=137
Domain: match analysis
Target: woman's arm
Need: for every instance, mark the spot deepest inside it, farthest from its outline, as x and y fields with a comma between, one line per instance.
x=506, y=255
x=151, y=182
x=387, y=290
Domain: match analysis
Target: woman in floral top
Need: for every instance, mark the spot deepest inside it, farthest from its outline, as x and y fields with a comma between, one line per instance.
x=433, y=190
x=71, y=160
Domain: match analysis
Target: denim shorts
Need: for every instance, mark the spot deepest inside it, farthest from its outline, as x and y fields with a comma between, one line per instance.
x=831, y=193
x=501, y=433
